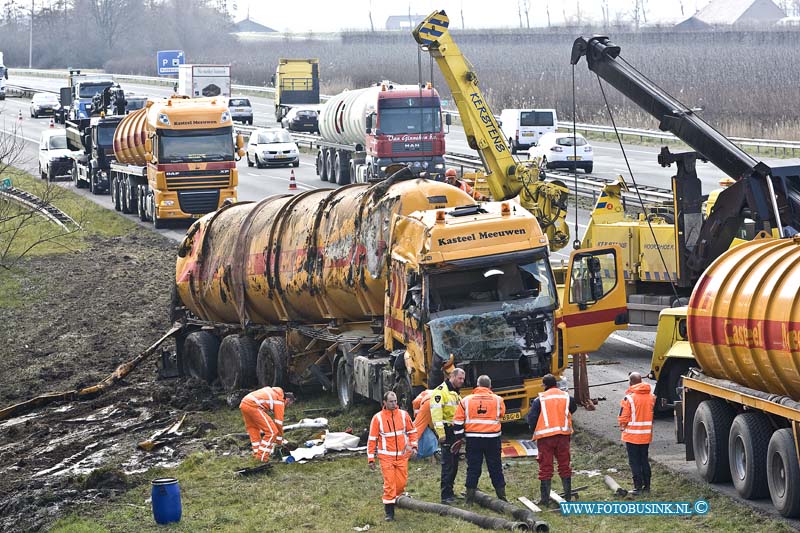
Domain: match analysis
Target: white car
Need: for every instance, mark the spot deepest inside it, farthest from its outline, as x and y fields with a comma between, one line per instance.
x=272, y=147
x=44, y=104
x=556, y=151
x=54, y=156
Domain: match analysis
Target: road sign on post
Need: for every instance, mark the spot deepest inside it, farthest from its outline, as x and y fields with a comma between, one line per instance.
x=168, y=61
x=5, y=184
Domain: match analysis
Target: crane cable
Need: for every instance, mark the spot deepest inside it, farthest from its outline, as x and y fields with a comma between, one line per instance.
x=672, y=283
x=576, y=244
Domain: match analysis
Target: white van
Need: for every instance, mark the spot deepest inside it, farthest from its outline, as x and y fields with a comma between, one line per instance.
x=523, y=127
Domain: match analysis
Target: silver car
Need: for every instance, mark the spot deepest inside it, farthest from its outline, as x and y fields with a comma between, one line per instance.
x=44, y=104
x=241, y=110
x=272, y=147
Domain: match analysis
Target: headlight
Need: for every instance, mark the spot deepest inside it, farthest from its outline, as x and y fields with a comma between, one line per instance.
x=163, y=119
x=424, y=164
x=167, y=203
x=383, y=169
x=226, y=117
x=439, y=166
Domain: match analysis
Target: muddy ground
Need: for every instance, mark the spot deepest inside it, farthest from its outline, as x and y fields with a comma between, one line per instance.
x=86, y=313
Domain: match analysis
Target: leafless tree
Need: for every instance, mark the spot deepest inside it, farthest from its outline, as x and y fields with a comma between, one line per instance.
x=22, y=229
x=369, y=12
x=604, y=10
x=547, y=9
x=519, y=12
x=526, y=7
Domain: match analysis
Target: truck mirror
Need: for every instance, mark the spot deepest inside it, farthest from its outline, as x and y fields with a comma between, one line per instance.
x=148, y=147
x=448, y=119
x=240, y=153
x=369, y=123
x=240, y=143
x=413, y=297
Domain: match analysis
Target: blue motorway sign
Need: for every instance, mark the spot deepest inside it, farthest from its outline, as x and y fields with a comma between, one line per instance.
x=168, y=61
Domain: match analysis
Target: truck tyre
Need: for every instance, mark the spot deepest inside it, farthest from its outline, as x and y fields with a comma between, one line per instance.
x=342, y=169
x=158, y=222
x=329, y=168
x=113, y=188
x=666, y=387
x=200, y=356
x=747, y=452
x=236, y=362
x=140, y=203
x=344, y=383
x=513, y=146
x=41, y=173
x=51, y=175
x=129, y=188
x=322, y=172
x=249, y=162
x=588, y=168
x=712, y=423
x=403, y=391
x=273, y=358
x=783, y=472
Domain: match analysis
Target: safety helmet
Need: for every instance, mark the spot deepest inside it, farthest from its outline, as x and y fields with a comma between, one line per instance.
x=727, y=181
x=450, y=173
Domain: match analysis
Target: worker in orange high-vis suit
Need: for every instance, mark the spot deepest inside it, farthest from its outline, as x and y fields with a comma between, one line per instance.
x=265, y=432
x=478, y=419
x=550, y=418
x=393, y=438
x=422, y=411
x=451, y=177
x=636, y=422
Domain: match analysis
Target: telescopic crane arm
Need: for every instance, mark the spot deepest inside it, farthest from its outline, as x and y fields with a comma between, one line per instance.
x=506, y=177
x=767, y=195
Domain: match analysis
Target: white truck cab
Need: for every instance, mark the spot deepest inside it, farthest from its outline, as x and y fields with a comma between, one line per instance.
x=3, y=77
x=522, y=128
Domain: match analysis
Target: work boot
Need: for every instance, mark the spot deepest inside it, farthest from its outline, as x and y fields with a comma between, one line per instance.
x=470, y=499
x=646, y=490
x=637, y=491
x=544, y=487
x=388, y=508
x=566, y=482
x=501, y=493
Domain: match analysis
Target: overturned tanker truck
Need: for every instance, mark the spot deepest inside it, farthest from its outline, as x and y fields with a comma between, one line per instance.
x=370, y=288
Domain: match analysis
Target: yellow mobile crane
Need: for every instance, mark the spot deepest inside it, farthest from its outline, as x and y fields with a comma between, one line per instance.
x=505, y=176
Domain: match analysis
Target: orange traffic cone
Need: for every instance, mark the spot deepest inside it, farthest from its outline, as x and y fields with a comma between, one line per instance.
x=292, y=182
x=52, y=122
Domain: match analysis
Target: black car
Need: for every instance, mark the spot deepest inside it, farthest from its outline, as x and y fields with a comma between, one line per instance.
x=301, y=119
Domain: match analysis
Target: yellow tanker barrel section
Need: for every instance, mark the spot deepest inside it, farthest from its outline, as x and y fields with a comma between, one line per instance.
x=744, y=316
x=129, y=138
x=313, y=257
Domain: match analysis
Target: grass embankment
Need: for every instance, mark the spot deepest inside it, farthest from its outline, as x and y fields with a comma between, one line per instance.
x=23, y=234
x=339, y=494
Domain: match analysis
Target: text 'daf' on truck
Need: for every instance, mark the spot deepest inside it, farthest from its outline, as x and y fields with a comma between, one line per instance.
x=668, y=248
x=371, y=288
x=364, y=131
x=175, y=159
x=296, y=83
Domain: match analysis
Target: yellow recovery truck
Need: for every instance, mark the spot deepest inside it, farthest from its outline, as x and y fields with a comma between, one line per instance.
x=296, y=82
x=370, y=288
x=682, y=245
x=506, y=177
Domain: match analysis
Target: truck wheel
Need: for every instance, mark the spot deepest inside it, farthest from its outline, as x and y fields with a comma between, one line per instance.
x=75, y=178
x=249, y=163
x=783, y=472
x=712, y=422
x=342, y=169
x=513, y=146
x=329, y=168
x=200, y=356
x=588, y=168
x=344, y=383
x=668, y=383
x=273, y=358
x=140, y=199
x=404, y=393
x=236, y=362
x=747, y=451
x=129, y=189
x=51, y=175
x=322, y=172
x=115, y=196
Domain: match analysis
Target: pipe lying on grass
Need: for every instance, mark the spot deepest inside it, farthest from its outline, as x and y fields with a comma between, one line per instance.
x=486, y=522
x=523, y=515
x=613, y=485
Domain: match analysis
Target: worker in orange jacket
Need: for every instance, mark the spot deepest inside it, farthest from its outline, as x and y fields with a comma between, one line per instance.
x=636, y=423
x=265, y=433
x=550, y=418
x=393, y=437
x=477, y=419
x=451, y=177
x=422, y=411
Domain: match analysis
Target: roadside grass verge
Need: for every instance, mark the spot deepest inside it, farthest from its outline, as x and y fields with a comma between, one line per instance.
x=25, y=235
x=340, y=493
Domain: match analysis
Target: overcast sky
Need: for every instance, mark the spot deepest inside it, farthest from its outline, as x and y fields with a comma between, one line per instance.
x=301, y=16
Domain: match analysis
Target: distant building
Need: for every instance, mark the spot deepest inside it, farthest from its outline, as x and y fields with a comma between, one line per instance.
x=403, y=22
x=734, y=13
x=250, y=26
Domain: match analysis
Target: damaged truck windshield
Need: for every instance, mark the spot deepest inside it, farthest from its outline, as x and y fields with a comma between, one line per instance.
x=495, y=312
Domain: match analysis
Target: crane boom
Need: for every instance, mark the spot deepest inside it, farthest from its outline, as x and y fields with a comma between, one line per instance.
x=506, y=177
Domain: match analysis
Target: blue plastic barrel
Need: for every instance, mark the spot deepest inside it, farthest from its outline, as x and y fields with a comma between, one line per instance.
x=166, y=495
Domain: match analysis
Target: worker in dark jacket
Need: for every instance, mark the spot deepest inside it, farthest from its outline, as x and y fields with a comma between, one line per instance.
x=550, y=419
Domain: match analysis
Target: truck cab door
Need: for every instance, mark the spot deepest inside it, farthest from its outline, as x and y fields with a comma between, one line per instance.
x=594, y=302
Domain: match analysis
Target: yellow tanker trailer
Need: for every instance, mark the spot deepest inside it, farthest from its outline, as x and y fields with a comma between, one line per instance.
x=372, y=288
x=175, y=159
x=739, y=416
